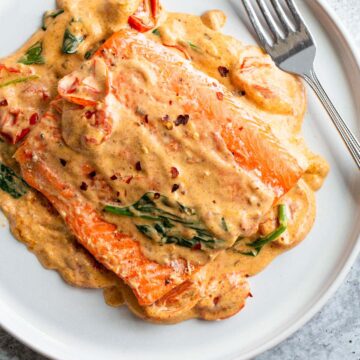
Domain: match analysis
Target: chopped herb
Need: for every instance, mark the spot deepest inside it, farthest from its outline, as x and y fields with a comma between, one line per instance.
x=182, y=120
x=84, y=186
x=71, y=42
x=175, y=187
x=224, y=71
x=19, y=80
x=12, y=183
x=88, y=55
x=156, y=32
x=92, y=174
x=33, y=55
x=138, y=166
x=51, y=14
x=194, y=47
x=224, y=224
x=258, y=244
x=168, y=222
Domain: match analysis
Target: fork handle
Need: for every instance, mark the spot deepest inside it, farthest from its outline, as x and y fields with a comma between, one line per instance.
x=349, y=138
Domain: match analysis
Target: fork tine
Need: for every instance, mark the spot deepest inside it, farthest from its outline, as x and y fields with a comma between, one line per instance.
x=285, y=22
x=295, y=13
x=269, y=19
x=256, y=24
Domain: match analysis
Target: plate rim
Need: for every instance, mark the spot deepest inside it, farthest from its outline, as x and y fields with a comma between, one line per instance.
x=354, y=55
x=44, y=345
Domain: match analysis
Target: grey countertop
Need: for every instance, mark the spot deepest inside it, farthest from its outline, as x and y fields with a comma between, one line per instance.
x=334, y=333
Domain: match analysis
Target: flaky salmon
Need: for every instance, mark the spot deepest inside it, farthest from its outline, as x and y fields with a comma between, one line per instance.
x=135, y=82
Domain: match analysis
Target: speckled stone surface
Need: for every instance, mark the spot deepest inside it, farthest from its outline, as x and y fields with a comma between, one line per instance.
x=334, y=333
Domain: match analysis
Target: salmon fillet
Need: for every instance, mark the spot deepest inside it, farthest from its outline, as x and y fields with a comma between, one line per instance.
x=99, y=89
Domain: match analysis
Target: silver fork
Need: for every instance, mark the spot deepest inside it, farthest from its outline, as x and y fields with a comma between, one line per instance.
x=293, y=50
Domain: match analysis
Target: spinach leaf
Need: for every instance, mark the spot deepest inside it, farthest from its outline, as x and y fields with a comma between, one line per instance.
x=51, y=14
x=71, y=42
x=168, y=222
x=12, y=183
x=258, y=244
x=33, y=55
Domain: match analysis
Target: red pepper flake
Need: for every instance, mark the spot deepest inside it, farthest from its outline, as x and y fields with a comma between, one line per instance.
x=6, y=137
x=197, y=246
x=4, y=103
x=128, y=180
x=220, y=95
x=146, y=119
x=170, y=102
x=34, y=118
x=250, y=294
x=182, y=120
x=63, y=162
x=89, y=114
x=175, y=187
x=138, y=166
x=216, y=300
x=114, y=177
x=84, y=186
x=157, y=196
x=242, y=92
x=45, y=96
x=23, y=133
x=92, y=174
x=167, y=281
x=224, y=71
x=174, y=172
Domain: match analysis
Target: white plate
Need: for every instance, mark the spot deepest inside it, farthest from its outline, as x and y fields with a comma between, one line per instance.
x=66, y=323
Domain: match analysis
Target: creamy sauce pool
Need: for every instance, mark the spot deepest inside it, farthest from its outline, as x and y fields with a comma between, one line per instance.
x=274, y=97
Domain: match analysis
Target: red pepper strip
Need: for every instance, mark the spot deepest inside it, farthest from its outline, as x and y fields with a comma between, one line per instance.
x=9, y=69
x=138, y=25
x=154, y=7
x=80, y=101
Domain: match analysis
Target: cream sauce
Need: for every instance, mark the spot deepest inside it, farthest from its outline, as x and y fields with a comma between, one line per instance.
x=274, y=97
